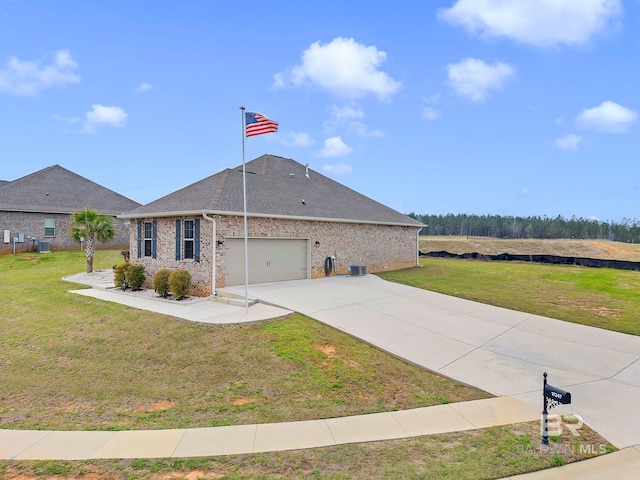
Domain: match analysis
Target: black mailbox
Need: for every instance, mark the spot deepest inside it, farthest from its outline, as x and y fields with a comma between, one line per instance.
x=552, y=397
x=557, y=395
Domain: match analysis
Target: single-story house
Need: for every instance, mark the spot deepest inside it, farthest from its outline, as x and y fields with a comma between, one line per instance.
x=301, y=224
x=38, y=207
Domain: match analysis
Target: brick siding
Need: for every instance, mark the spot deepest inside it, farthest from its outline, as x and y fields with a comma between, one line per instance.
x=32, y=226
x=379, y=247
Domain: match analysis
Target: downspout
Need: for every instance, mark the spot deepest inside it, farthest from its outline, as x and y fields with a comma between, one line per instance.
x=213, y=250
x=418, y=245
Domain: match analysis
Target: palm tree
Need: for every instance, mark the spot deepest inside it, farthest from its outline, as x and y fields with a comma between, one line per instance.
x=87, y=225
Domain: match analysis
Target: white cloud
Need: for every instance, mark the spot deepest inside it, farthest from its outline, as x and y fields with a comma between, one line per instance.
x=362, y=130
x=346, y=112
x=474, y=78
x=30, y=77
x=609, y=117
x=570, y=142
x=340, y=116
x=343, y=67
x=345, y=118
x=337, y=169
x=542, y=23
x=430, y=113
x=525, y=191
x=102, y=116
x=293, y=139
x=144, y=87
x=334, y=147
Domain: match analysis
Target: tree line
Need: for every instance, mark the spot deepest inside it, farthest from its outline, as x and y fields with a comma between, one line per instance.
x=628, y=230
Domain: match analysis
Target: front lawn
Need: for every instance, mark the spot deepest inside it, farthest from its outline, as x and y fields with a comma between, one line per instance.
x=73, y=362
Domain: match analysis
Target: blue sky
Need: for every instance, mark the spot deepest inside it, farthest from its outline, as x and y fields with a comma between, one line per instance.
x=511, y=107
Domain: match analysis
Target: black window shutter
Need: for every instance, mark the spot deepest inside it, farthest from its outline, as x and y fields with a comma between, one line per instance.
x=196, y=240
x=177, y=239
x=139, y=238
x=154, y=236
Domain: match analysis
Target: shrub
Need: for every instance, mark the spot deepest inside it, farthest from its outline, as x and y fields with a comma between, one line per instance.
x=120, y=275
x=179, y=283
x=161, y=282
x=135, y=276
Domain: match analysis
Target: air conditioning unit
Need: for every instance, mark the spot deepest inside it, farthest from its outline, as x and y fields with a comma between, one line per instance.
x=357, y=270
x=43, y=247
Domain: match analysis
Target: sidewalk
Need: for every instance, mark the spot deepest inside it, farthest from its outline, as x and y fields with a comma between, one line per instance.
x=270, y=437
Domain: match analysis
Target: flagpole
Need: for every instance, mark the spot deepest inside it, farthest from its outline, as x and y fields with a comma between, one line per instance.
x=244, y=199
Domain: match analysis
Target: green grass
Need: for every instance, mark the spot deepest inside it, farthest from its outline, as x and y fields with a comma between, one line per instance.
x=73, y=362
x=480, y=454
x=598, y=297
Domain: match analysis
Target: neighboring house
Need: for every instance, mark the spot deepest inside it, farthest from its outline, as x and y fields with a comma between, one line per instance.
x=38, y=207
x=301, y=224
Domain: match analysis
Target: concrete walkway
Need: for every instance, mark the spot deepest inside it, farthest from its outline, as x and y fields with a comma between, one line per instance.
x=501, y=351
x=197, y=442
x=203, y=310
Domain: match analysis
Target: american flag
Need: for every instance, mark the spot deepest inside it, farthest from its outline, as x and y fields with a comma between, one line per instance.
x=257, y=124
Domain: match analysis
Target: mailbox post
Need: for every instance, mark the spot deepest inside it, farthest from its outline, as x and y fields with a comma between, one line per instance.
x=551, y=397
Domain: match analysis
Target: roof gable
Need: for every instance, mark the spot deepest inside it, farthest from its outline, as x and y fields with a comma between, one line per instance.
x=278, y=187
x=57, y=190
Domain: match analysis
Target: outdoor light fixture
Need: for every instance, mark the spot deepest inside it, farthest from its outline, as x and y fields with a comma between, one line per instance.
x=220, y=243
x=317, y=244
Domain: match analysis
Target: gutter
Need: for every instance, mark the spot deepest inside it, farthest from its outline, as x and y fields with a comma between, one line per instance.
x=265, y=215
x=213, y=251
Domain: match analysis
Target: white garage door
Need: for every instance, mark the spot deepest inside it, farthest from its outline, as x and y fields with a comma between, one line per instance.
x=270, y=260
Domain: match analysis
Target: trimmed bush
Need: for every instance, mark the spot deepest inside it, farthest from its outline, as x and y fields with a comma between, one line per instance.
x=179, y=283
x=120, y=274
x=135, y=276
x=161, y=282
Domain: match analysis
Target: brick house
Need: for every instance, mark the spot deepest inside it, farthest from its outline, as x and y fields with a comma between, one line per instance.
x=301, y=224
x=38, y=207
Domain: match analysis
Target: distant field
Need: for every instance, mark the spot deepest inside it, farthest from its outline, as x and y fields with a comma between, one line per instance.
x=599, y=297
x=603, y=249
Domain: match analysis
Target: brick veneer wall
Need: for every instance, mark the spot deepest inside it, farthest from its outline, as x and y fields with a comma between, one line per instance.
x=379, y=247
x=32, y=225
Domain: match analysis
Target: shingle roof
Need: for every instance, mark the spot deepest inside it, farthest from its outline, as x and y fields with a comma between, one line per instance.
x=276, y=187
x=57, y=190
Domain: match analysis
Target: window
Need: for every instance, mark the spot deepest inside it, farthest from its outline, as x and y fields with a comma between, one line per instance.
x=147, y=236
x=148, y=239
x=188, y=239
x=49, y=227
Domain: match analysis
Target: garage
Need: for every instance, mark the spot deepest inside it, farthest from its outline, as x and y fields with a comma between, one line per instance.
x=270, y=260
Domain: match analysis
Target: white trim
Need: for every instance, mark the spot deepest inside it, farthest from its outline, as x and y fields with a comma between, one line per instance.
x=214, y=244
x=265, y=215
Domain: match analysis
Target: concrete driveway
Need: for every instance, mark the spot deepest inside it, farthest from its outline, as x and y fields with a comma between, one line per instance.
x=501, y=351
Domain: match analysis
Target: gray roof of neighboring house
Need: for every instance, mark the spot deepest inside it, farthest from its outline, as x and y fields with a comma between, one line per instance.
x=276, y=187
x=57, y=190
